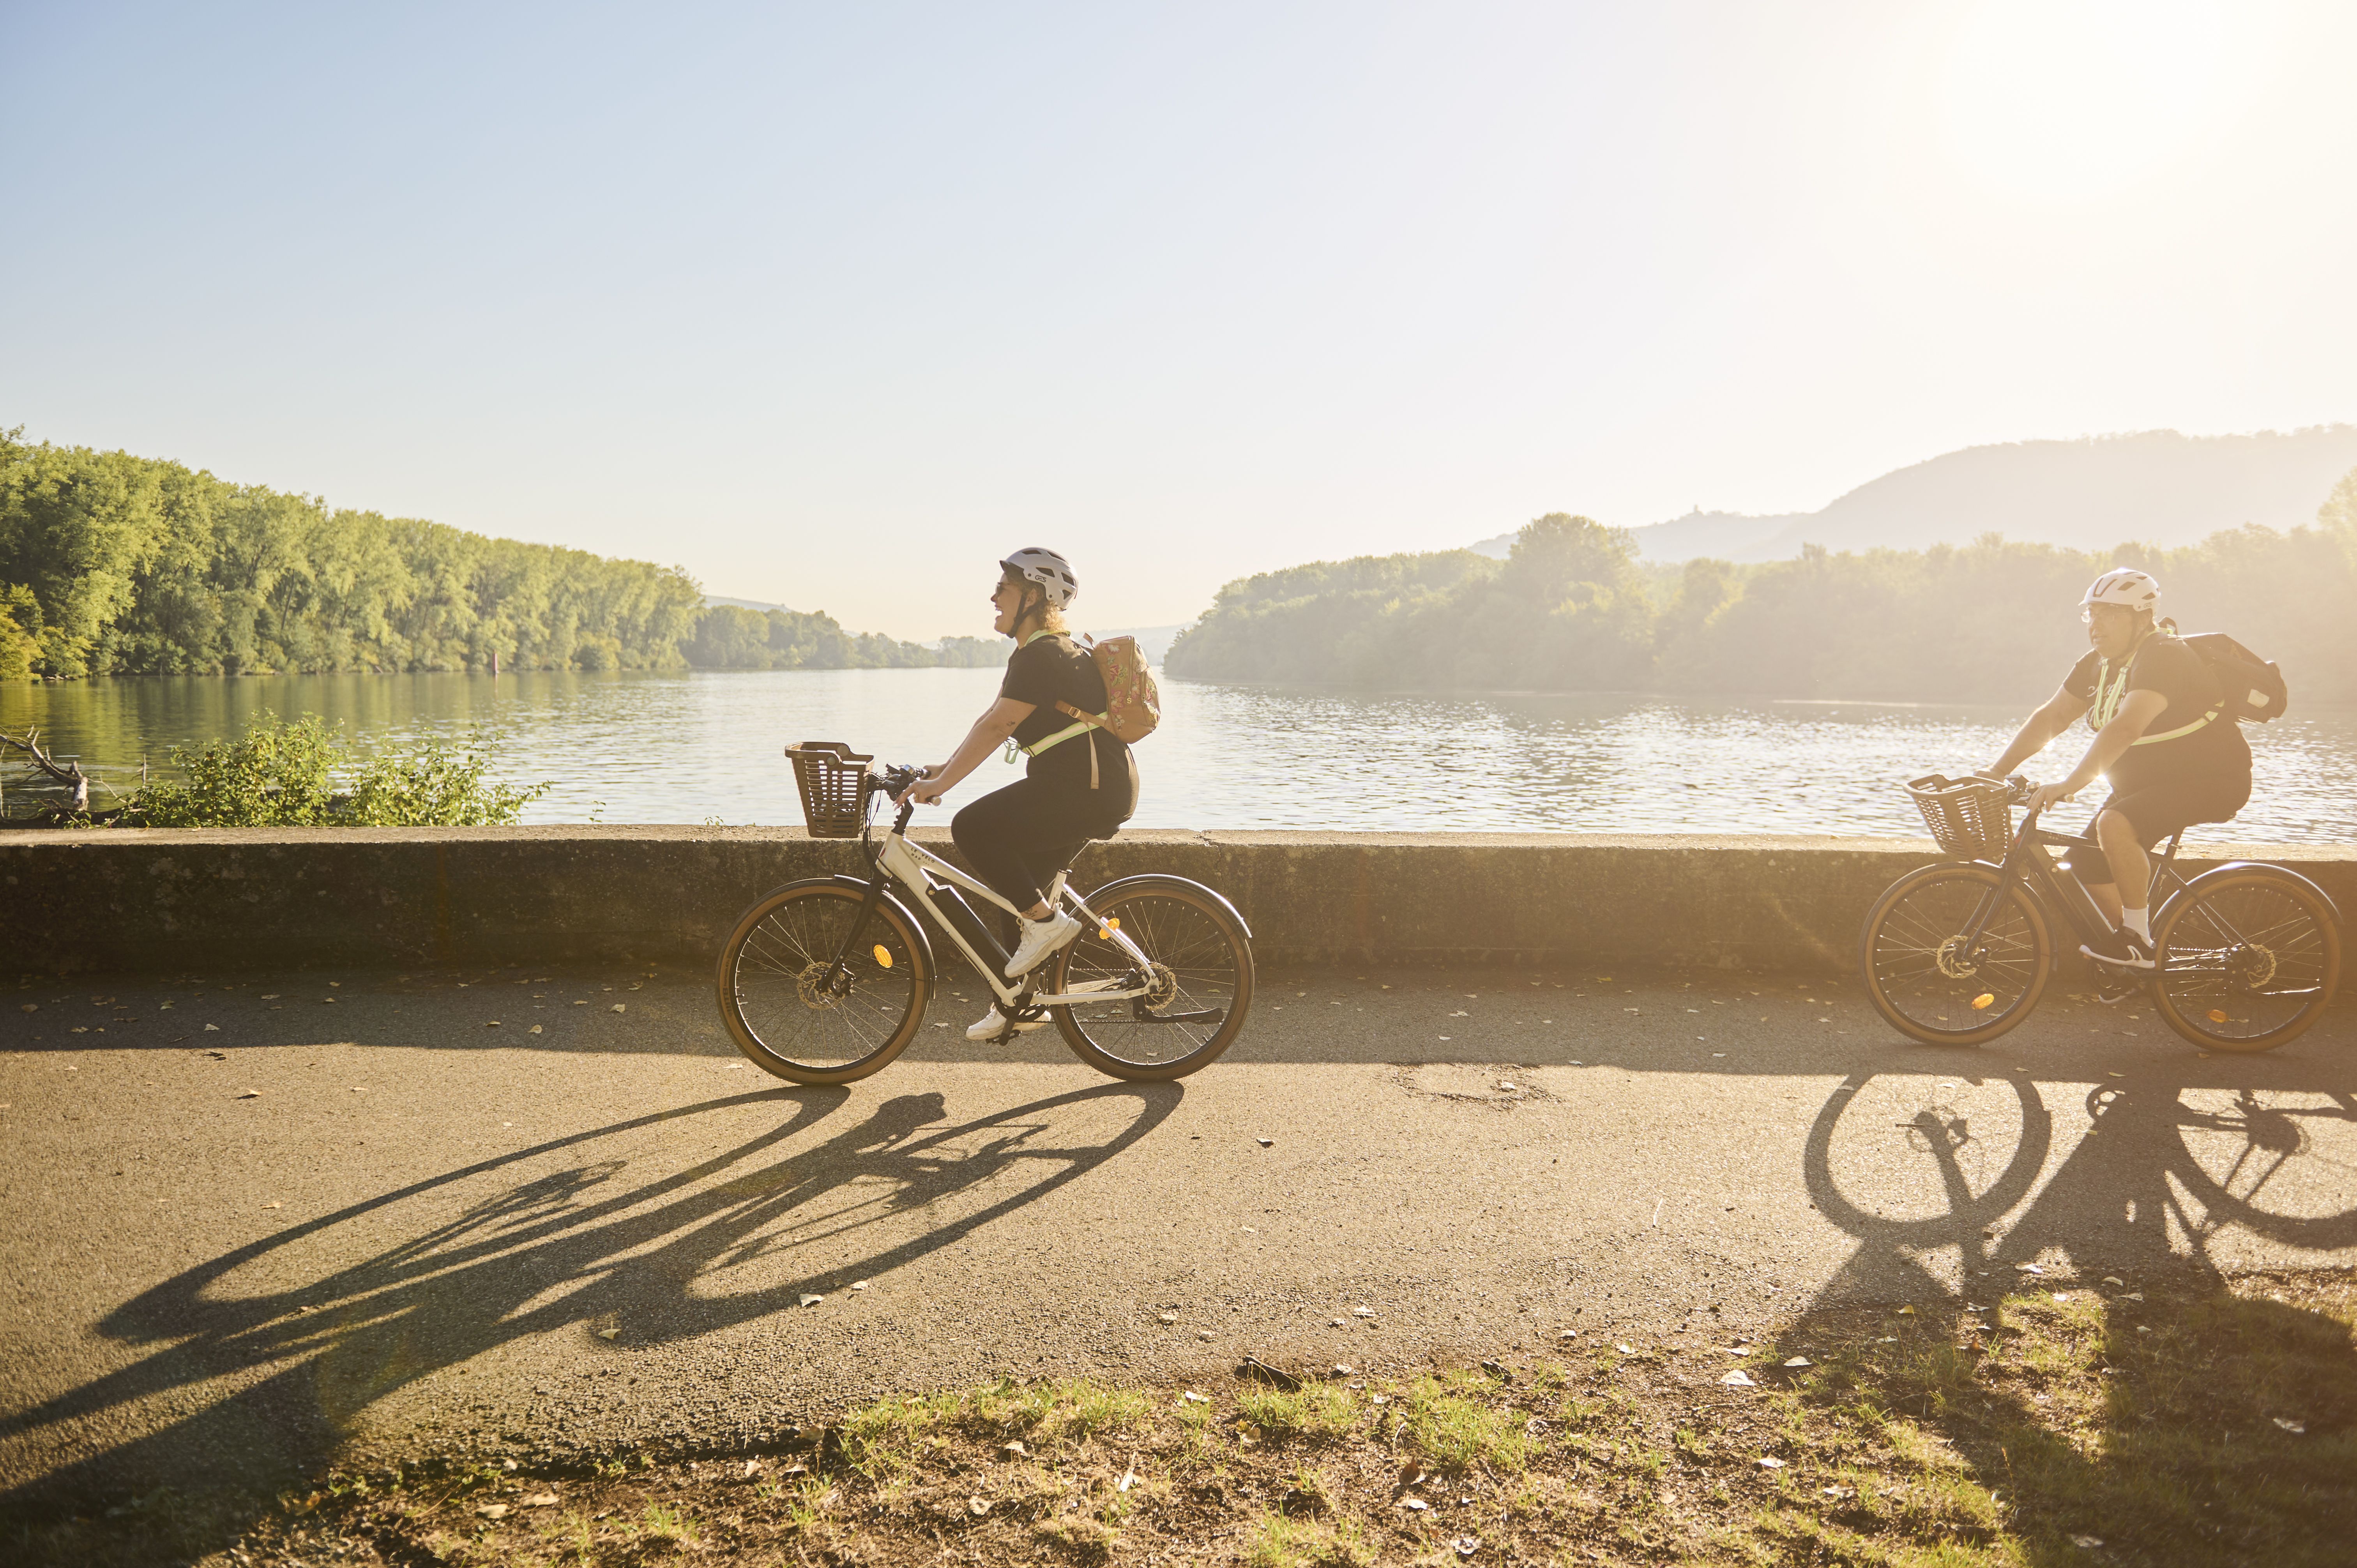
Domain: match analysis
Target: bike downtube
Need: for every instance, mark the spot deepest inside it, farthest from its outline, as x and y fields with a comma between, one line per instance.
x=951, y=904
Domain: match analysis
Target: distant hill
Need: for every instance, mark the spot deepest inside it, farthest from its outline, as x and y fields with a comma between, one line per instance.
x=2155, y=487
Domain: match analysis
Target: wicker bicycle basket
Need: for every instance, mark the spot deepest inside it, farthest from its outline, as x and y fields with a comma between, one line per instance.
x=833, y=781
x=1969, y=817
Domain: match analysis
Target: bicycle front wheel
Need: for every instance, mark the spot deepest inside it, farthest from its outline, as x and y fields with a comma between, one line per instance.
x=1929, y=982
x=793, y=1013
x=1199, y=980
x=2245, y=961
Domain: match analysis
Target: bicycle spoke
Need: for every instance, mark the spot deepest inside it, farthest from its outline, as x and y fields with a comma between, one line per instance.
x=1923, y=972
x=804, y=1009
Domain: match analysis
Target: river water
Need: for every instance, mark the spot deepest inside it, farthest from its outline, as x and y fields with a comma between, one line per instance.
x=704, y=745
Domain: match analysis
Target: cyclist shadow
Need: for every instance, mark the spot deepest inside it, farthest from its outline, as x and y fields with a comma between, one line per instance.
x=2161, y=1191
x=287, y=1370
x=2160, y=1180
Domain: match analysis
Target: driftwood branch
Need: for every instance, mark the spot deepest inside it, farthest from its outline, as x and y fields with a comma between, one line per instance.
x=70, y=775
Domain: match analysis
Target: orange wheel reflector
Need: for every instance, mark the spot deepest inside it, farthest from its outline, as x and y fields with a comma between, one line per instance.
x=883, y=955
x=2217, y=1017
x=1983, y=999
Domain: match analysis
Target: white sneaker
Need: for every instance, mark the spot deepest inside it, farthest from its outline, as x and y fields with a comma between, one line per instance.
x=1040, y=938
x=993, y=1023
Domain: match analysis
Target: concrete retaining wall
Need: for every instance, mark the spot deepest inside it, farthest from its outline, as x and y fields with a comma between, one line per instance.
x=171, y=901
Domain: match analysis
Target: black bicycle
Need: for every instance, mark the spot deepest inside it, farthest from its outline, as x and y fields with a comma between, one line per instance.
x=2246, y=955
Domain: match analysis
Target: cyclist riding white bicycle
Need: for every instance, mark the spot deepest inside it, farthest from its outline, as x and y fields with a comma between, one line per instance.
x=1081, y=783
x=2172, y=756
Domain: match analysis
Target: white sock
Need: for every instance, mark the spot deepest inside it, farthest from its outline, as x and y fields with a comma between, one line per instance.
x=2140, y=922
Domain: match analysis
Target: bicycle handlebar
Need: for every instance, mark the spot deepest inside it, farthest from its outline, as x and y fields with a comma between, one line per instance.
x=893, y=777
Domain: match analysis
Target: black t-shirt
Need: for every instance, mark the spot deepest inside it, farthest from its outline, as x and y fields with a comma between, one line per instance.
x=1052, y=670
x=2162, y=663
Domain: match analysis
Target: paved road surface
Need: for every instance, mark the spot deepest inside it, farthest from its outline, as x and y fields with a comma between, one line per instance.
x=422, y=1230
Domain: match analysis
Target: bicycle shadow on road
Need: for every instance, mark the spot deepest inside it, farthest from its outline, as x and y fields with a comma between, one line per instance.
x=2161, y=1413
x=2160, y=1179
x=283, y=1374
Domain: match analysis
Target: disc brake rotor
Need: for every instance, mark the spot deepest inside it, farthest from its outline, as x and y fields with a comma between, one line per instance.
x=1952, y=961
x=1161, y=988
x=2251, y=966
x=812, y=987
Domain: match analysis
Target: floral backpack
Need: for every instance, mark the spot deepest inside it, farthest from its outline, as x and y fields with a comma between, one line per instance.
x=1132, y=702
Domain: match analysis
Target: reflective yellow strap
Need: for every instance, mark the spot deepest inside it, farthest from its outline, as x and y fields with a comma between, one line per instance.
x=2180, y=731
x=1067, y=733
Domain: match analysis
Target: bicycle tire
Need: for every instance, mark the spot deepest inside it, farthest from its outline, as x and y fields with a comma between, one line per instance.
x=1203, y=960
x=768, y=979
x=1906, y=941
x=2227, y=940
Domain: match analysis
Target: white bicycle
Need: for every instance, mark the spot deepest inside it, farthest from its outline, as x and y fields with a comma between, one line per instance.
x=827, y=979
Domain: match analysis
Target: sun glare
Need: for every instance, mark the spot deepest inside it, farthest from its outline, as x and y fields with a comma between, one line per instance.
x=2058, y=100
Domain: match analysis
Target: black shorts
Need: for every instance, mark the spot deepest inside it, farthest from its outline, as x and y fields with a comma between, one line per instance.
x=2158, y=811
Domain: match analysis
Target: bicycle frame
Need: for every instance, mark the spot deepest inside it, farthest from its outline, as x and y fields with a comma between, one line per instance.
x=2058, y=886
x=923, y=873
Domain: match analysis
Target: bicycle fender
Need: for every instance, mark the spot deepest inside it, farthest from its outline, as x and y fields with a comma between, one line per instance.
x=859, y=885
x=1215, y=895
x=2194, y=886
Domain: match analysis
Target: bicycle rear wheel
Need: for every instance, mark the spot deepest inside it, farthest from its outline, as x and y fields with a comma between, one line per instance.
x=1921, y=978
x=1200, y=982
x=777, y=1003
x=2245, y=961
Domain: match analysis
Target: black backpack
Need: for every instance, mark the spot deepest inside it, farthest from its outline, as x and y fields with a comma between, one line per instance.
x=2252, y=689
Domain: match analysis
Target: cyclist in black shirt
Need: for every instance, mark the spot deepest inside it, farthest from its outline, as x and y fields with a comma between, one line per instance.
x=2172, y=757
x=1081, y=781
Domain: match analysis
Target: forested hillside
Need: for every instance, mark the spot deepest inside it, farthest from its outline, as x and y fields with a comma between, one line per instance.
x=1569, y=609
x=116, y=564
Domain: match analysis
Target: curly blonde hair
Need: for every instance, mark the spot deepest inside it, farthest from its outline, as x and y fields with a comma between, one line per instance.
x=1047, y=617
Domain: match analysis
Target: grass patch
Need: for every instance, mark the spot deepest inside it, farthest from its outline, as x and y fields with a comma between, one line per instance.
x=1278, y=1541
x=1319, y=1409
x=2207, y=1427
x=1457, y=1423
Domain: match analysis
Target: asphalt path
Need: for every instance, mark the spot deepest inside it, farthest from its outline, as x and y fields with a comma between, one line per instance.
x=252, y=1225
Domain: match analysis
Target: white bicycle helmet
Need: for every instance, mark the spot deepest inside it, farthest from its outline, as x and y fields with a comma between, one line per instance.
x=2123, y=585
x=1050, y=570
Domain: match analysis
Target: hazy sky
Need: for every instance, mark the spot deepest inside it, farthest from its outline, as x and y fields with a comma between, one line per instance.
x=834, y=304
